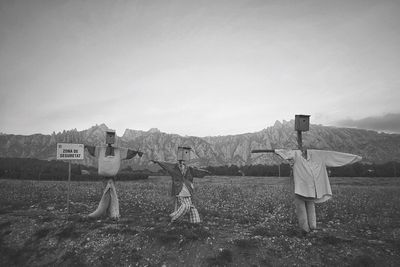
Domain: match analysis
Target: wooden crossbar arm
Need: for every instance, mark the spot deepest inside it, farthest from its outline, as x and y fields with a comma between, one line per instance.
x=263, y=151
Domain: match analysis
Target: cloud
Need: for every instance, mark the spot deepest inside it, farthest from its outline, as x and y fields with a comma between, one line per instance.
x=389, y=123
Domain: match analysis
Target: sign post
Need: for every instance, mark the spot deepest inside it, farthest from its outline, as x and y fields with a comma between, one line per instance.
x=69, y=185
x=68, y=151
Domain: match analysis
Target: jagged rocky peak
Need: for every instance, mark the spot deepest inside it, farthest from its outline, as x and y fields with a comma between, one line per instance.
x=154, y=130
x=233, y=149
x=277, y=124
x=102, y=127
x=132, y=134
x=95, y=134
x=97, y=129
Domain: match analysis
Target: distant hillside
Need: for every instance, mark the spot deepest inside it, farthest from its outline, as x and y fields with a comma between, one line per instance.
x=374, y=147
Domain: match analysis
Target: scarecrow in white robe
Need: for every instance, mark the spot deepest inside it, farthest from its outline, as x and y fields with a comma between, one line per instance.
x=182, y=186
x=311, y=182
x=109, y=161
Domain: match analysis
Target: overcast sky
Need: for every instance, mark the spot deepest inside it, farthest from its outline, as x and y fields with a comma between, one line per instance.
x=198, y=67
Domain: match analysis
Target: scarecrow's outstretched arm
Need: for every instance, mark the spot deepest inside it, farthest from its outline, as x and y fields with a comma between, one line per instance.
x=263, y=151
x=286, y=154
x=132, y=153
x=336, y=159
x=165, y=165
x=283, y=153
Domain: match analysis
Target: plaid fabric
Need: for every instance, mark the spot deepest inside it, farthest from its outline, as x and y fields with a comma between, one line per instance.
x=185, y=207
x=194, y=216
x=176, y=204
x=178, y=179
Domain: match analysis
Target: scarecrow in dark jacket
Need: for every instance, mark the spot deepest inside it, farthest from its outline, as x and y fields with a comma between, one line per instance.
x=182, y=185
x=109, y=160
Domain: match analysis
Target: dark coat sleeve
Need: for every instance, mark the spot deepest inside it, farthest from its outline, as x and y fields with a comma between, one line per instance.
x=132, y=153
x=169, y=167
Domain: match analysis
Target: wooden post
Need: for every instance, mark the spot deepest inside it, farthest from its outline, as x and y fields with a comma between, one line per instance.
x=69, y=184
x=299, y=140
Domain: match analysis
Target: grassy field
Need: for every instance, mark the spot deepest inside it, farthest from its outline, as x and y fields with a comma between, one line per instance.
x=247, y=221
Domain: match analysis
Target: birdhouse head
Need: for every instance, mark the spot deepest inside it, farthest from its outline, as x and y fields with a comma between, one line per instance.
x=302, y=123
x=183, y=153
x=110, y=137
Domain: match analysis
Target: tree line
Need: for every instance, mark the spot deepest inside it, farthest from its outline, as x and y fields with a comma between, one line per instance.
x=388, y=169
x=35, y=169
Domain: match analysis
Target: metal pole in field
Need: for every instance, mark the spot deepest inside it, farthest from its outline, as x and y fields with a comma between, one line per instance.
x=279, y=170
x=69, y=185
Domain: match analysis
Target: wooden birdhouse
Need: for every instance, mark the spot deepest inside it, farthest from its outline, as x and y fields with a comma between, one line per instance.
x=302, y=123
x=183, y=153
x=110, y=137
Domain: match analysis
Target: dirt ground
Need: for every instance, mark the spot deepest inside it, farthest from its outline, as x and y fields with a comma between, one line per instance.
x=246, y=222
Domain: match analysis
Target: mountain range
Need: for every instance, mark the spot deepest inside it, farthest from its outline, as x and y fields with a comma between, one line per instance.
x=373, y=146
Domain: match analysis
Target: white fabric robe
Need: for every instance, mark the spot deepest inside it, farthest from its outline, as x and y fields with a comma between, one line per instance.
x=310, y=175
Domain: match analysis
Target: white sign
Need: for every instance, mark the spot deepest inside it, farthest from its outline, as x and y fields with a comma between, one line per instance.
x=67, y=151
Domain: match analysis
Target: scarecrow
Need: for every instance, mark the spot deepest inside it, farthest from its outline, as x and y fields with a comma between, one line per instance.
x=109, y=162
x=182, y=185
x=311, y=182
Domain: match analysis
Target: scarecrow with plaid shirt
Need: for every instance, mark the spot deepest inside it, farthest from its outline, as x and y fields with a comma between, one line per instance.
x=182, y=185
